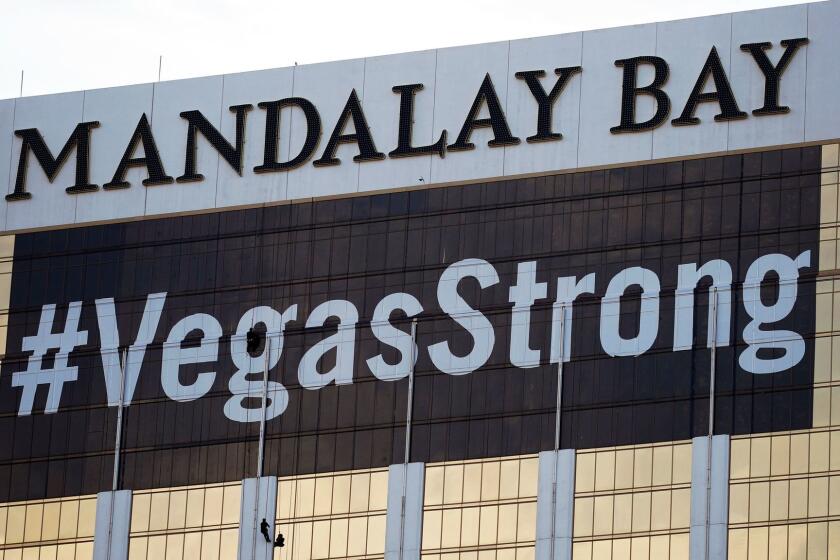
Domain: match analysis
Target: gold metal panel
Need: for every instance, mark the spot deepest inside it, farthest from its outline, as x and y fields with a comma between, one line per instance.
x=759, y=501
x=488, y=524
x=605, y=470
x=509, y=479
x=623, y=513
x=603, y=514
x=469, y=526
x=624, y=469
x=662, y=465
x=472, y=482
x=177, y=509
x=641, y=511
x=780, y=455
x=818, y=497
x=738, y=544
x=739, y=458
x=359, y=492
x=490, y=477
x=779, y=500
x=760, y=457
x=797, y=541
x=341, y=494
x=798, y=508
x=660, y=511
x=584, y=472
x=777, y=544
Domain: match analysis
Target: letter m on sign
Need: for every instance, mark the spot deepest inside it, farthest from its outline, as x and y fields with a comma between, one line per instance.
x=31, y=140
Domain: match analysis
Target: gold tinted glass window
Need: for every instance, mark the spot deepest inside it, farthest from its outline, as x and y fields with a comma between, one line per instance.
x=333, y=515
x=184, y=523
x=784, y=493
x=480, y=509
x=632, y=502
x=59, y=528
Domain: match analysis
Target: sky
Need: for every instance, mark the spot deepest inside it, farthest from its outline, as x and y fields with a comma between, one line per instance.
x=68, y=45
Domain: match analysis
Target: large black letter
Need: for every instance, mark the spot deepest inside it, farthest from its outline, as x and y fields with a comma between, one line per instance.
x=497, y=121
x=272, y=126
x=545, y=103
x=723, y=95
x=197, y=122
x=361, y=136
x=404, y=147
x=629, y=92
x=150, y=160
x=773, y=74
x=32, y=140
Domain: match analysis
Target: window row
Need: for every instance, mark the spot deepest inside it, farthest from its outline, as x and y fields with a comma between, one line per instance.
x=827, y=302
x=636, y=512
x=636, y=467
x=784, y=454
x=661, y=547
x=481, y=481
x=517, y=553
x=811, y=541
x=165, y=510
x=354, y=505
x=827, y=356
x=473, y=506
x=51, y=520
x=470, y=527
x=333, y=494
x=826, y=406
x=780, y=500
x=69, y=551
x=354, y=537
x=206, y=545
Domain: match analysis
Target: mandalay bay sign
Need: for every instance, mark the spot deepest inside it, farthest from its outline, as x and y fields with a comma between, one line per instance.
x=712, y=87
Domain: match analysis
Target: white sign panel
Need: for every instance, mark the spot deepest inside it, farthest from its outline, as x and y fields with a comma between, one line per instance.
x=736, y=82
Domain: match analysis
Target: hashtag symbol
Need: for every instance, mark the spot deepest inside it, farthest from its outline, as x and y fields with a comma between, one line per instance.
x=40, y=344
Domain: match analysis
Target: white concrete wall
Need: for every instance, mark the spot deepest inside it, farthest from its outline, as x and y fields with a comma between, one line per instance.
x=259, y=501
x=709, y=498
x=113, y=521
x=584, y=113
x=555, y=505
x=404, y=523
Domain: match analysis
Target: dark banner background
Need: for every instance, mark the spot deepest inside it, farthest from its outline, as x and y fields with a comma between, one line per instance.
x=657, y=216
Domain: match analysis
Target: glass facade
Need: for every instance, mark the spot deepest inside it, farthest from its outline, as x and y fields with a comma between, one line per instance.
x=332, y=516
x=184, y=523
x=480, y=509
x=216, y=268
x=632, y=502
x=56, y=529
x=784, y=496
x=7, y=251
x=631, y=422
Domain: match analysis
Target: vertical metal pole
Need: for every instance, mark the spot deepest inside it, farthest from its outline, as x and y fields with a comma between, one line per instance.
x=123, y=358
x=409, y=405
x=262, y=410
x=118, y=443
x=21, y=83
x=561, y=352
x=261, y=446
x=408, y=412
x=560, y=355
x=160, y=65
x=712, y=367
